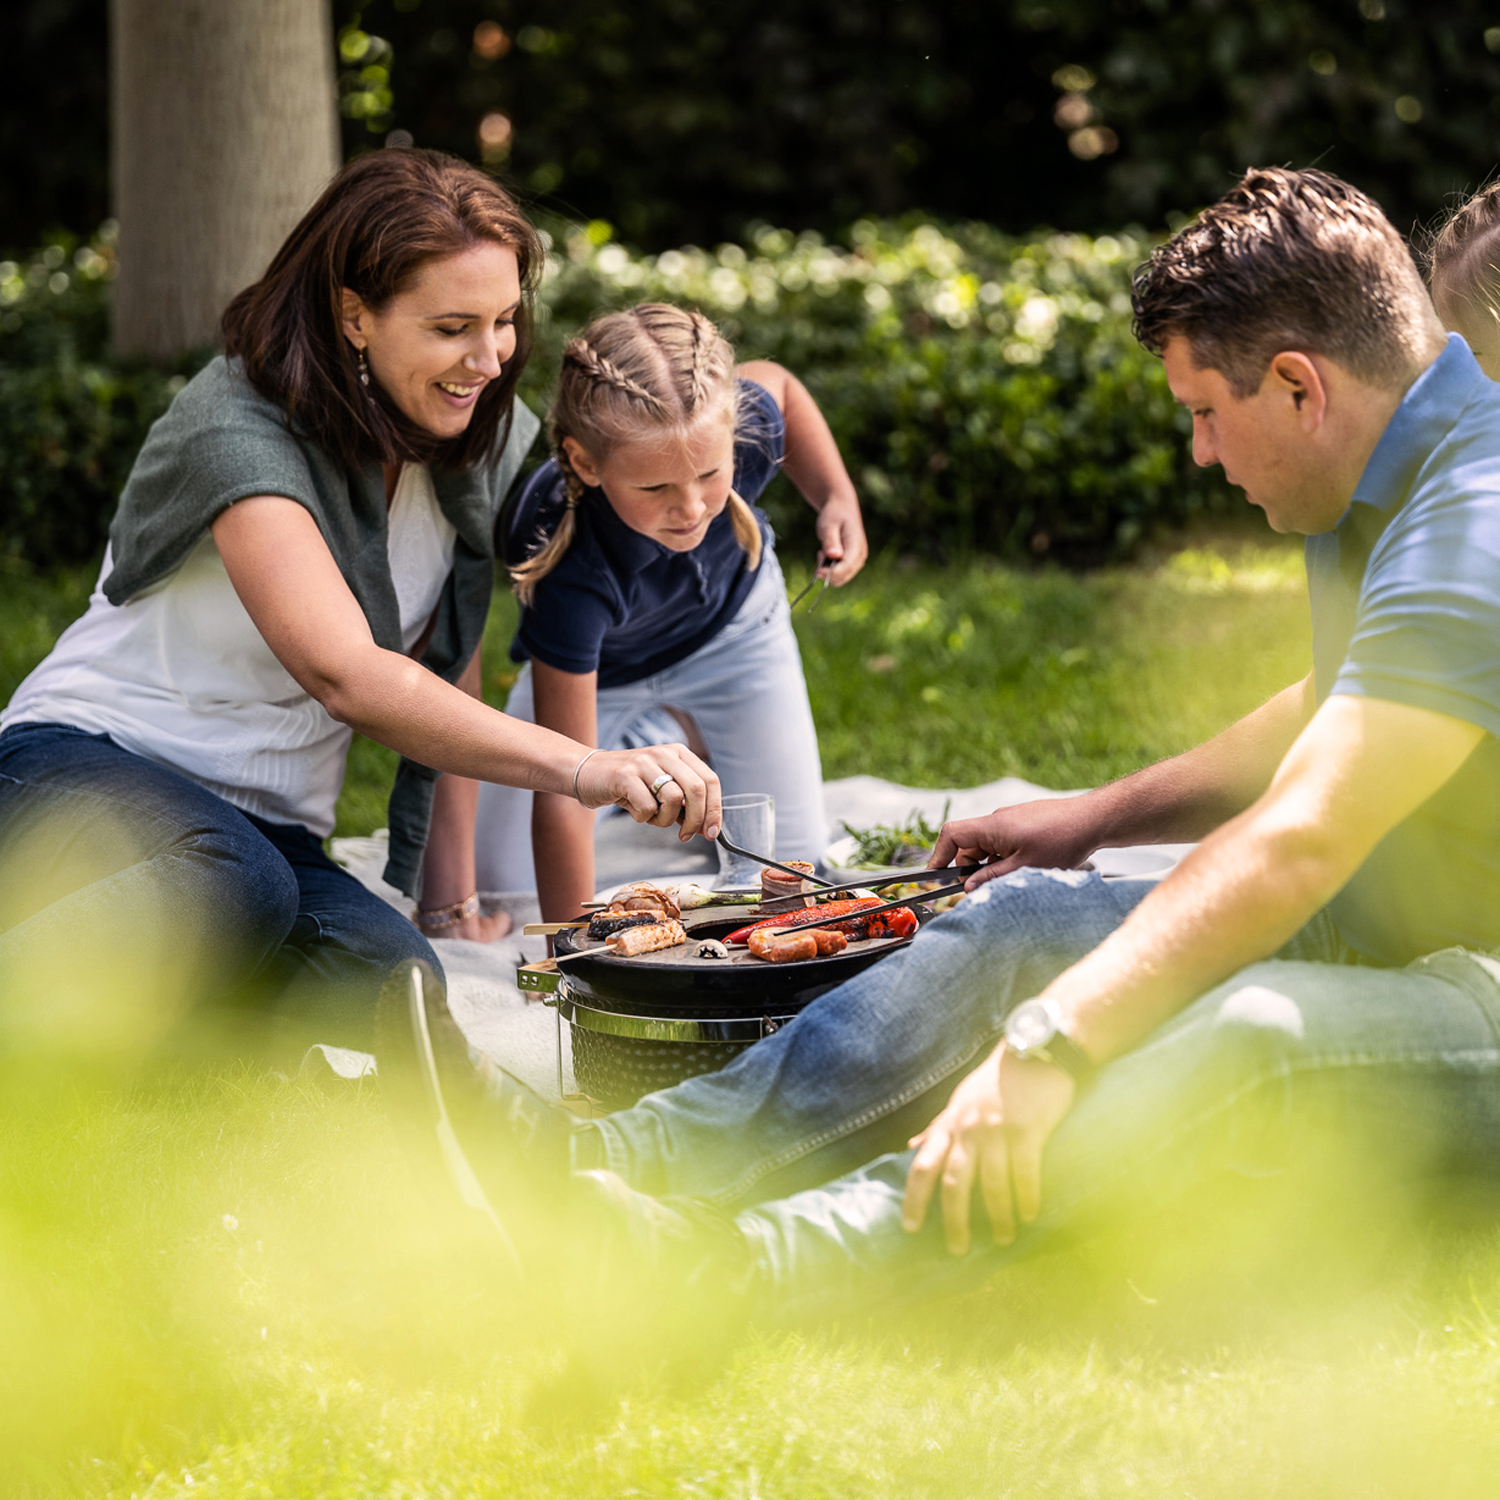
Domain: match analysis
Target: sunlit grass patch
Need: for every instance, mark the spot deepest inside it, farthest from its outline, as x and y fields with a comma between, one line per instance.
x=954, y=676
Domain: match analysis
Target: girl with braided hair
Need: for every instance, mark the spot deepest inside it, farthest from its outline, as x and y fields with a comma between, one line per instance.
x=652, y=602
x=1463, y=263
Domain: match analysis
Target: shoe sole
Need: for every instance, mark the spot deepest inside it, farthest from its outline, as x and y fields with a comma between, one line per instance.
x=460, y=1170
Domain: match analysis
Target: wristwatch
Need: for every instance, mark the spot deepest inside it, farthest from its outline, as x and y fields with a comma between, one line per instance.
x=1034, y=1029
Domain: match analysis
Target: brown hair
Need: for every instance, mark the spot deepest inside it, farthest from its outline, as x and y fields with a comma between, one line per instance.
x=1287, y=260
x=378, y=222
x=1463, y=256
x=650, y=371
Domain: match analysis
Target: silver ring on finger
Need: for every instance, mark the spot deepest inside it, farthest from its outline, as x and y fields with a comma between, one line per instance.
x=660, y=782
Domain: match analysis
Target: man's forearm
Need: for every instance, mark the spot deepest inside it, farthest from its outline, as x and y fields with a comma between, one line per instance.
x=1233, y=901
x=1183, y=799
x=1358, y=769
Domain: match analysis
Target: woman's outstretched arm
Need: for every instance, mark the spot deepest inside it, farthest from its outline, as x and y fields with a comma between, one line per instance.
x=291, y=587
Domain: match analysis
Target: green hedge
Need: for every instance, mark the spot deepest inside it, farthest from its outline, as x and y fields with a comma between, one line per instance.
x=71, y=417
x=986, y=391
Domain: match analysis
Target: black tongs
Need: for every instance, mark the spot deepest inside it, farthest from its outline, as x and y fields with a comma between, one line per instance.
x=920, y=899
x=881, y=877
x=763, y=859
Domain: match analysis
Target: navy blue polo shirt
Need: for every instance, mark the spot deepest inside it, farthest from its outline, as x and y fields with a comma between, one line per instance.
x=1406, y=607
x=625, y=606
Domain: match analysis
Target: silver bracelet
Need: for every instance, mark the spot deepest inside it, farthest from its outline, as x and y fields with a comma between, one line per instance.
x=576, y=769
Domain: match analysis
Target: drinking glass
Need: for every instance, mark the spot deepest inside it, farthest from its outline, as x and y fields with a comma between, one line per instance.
x=750, y=822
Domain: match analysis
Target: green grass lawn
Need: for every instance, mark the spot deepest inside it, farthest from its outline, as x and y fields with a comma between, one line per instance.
x=214, y=1281
x=950, y=677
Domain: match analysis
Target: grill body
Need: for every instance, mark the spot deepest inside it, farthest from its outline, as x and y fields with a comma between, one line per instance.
x=638, y=1026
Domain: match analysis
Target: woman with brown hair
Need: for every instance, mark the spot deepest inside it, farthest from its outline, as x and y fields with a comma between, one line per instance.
x=303, y=549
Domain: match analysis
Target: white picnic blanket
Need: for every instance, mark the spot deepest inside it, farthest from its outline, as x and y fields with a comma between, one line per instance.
x=522, y=1034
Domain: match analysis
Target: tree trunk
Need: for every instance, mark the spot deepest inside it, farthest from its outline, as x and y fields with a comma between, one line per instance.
x=225, y=128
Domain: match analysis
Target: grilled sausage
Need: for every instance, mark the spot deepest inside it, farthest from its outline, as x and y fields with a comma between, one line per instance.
x=795, y=947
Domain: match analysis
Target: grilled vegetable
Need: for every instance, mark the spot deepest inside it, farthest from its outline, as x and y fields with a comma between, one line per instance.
x=605, y=924
x=823, y=916
x=690, y=897
x=900, y=921
x=710, y=948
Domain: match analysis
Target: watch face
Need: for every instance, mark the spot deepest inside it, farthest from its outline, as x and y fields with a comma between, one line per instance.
x=1029, y=1026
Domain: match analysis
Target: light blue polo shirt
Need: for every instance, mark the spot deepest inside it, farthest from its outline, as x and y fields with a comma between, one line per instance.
x=1406, y=607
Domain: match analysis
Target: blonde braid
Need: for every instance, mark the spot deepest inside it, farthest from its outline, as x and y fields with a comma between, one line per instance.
x=704, y=336
x=525, y=576
x=588, y=359
x=582, y=355
x=746, y=528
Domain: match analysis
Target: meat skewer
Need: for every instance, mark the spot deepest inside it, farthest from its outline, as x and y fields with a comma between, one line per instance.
x=777, y=884
x=632, y=941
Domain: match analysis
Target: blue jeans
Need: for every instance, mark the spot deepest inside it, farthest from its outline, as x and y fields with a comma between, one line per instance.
x=106, y=853
x=804, y=1134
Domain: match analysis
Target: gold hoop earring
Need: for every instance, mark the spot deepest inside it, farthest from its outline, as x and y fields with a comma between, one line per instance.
x=364, y=367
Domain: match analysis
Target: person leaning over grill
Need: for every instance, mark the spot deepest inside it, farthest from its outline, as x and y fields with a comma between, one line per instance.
x=304, y=547
x=1325, y=947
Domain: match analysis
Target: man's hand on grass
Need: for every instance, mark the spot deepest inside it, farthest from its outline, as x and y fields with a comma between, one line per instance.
x=1055, y=834
x=993, y=1129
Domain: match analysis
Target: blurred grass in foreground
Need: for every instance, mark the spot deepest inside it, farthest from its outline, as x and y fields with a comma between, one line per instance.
x=228, y=1284
x=214, y=1281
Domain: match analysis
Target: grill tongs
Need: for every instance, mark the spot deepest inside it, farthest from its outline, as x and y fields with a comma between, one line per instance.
x=872, y=882
x=867, y=881
x=793, y=903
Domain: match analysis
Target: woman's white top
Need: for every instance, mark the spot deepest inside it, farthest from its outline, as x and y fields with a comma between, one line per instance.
x=179, y=674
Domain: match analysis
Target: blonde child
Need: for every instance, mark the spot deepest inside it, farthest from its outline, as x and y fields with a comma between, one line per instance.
x=651, y=595
x=1464, y=274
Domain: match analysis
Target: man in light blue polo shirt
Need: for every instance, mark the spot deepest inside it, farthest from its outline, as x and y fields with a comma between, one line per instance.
x=1327, y=943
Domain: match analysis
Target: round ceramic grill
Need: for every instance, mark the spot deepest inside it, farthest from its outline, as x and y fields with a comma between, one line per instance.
x=642, y=1024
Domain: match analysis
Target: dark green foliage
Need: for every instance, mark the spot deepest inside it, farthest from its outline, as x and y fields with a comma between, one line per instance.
x=71, y=417
x=684, y=120
x=54, y=118
x=986, y=392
